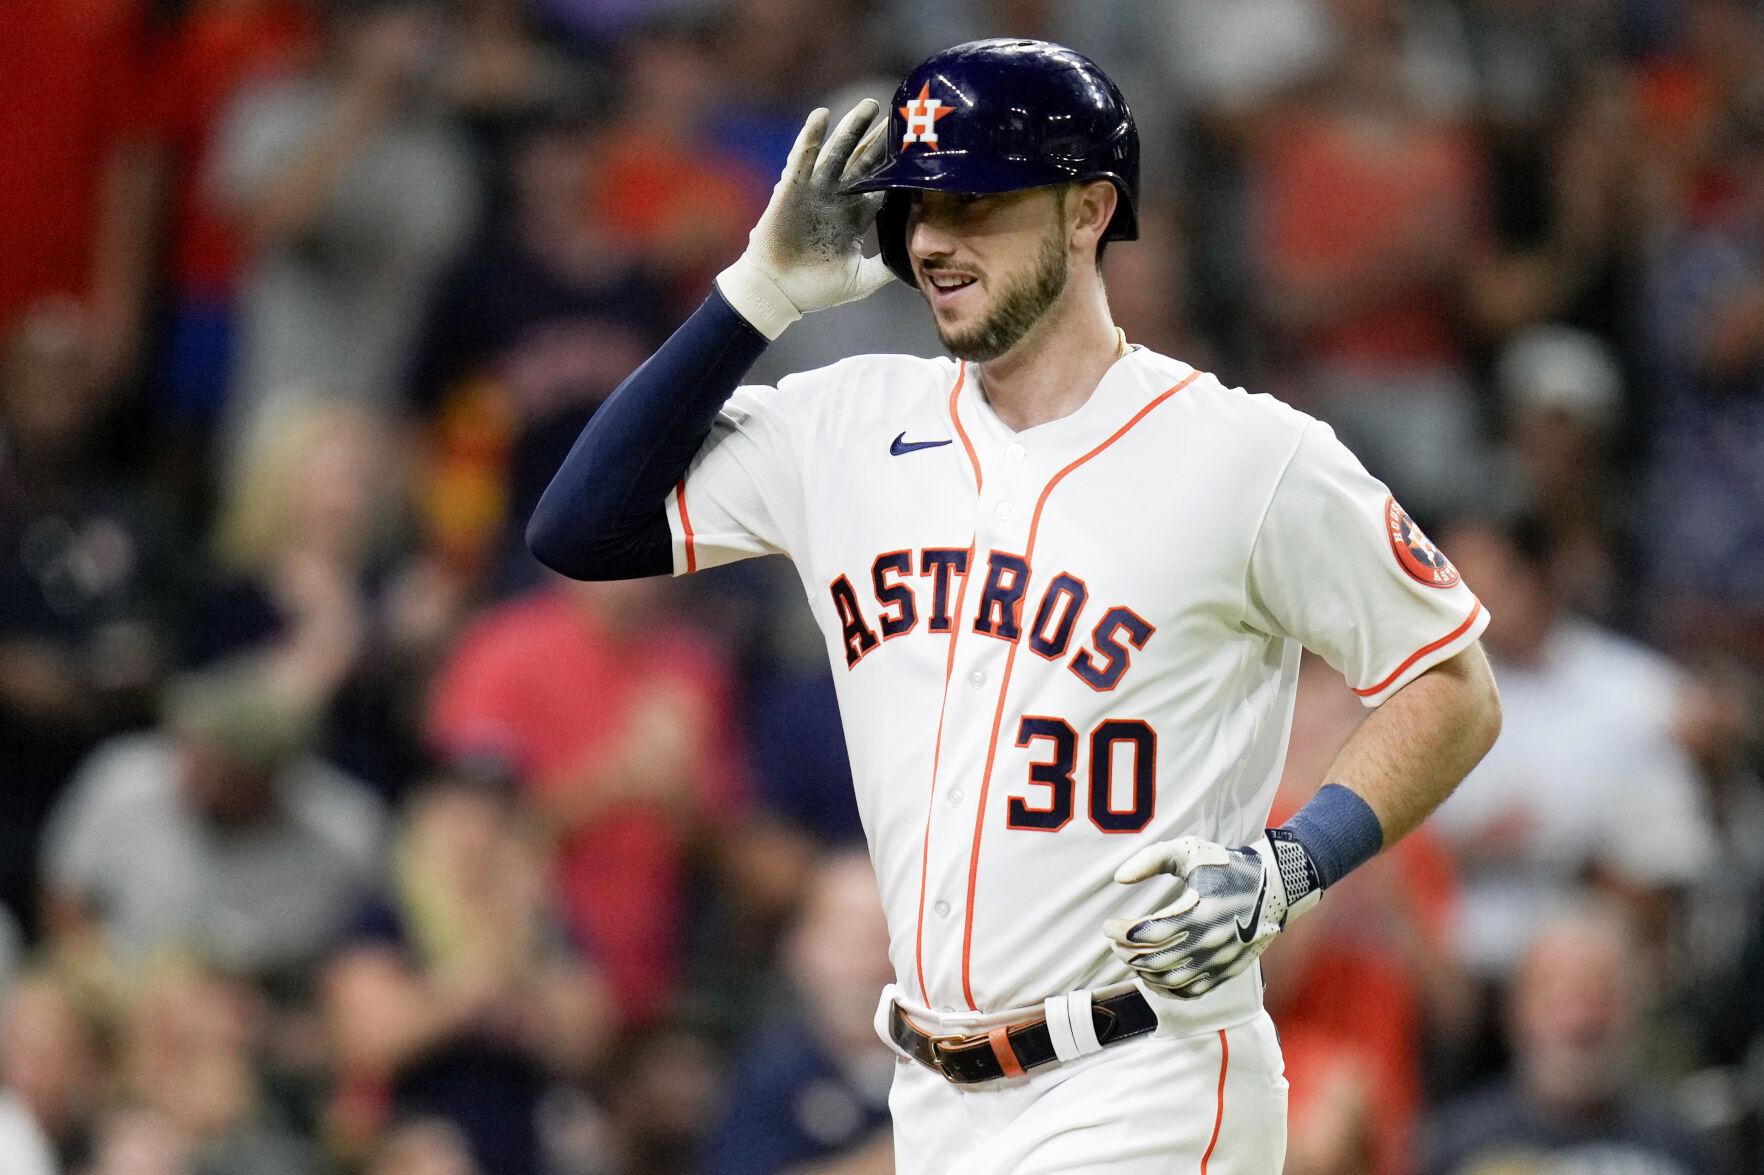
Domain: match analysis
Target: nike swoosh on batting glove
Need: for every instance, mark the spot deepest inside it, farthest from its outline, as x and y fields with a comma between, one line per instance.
x=1228, y=906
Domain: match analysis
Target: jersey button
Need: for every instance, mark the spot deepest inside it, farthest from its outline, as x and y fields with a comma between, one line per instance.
x=1016, y=452
x=955, y=797
x=1004, y=511
x=942, y=909
x=977, y=678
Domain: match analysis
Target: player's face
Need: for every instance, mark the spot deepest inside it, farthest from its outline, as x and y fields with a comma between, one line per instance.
x=990, y=266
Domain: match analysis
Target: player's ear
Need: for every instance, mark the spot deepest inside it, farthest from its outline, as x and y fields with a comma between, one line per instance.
x=1089, y=210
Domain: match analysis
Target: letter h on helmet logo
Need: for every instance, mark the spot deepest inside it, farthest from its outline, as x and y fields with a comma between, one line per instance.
x=921, y=116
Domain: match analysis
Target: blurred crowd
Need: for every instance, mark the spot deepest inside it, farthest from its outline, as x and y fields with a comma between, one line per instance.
x=337, y=836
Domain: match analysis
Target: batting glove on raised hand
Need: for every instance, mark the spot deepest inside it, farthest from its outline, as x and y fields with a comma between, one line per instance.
x=1229, y=905
x=806, y=253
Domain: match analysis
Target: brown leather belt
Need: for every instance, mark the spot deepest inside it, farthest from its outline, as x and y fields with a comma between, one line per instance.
x=1012, y=1050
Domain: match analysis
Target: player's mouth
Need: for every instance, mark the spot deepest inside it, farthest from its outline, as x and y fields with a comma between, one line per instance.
x=946, y=287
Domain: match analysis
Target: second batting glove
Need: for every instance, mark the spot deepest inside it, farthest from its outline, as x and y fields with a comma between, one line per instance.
x=1229, y=905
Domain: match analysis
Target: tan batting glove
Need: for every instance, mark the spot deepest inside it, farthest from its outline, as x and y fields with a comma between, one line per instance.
x=806, y=253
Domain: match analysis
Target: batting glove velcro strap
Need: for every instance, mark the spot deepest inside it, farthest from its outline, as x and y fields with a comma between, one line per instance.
x=806, y=253
x=1228, y=905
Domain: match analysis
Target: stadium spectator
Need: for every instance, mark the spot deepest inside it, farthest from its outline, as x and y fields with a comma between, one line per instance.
x=355, y=188
x=218, y=50
x=1561, y=396
x=614, y=718
x=90, y=583
x=1575, y=1099
x=660, y=1087
x=1367, y=222
x=311, y=575
x=809, y=1088
x=665, y=184
x=457, y=995
x=1704, y=525
x=217, y=835
x=187, y=1059
x=53, y=1067
x=528, y=332
x=1587, y=775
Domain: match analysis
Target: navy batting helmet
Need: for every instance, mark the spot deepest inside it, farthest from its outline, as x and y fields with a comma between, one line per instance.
x=998, y=116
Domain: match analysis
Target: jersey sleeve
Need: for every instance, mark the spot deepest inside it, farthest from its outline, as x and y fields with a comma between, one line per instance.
x=1340, y=567
x=742, y=495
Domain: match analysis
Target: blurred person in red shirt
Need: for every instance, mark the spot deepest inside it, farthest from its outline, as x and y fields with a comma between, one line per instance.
x=1360, y=997
x=77, y=202
x=1367, y=218
x=615, y=719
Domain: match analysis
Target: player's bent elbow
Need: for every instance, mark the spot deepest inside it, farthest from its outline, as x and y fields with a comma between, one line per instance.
x=1480, y=704
x=587, y=549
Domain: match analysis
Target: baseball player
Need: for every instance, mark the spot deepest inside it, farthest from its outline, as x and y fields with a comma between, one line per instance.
x=1064, y=583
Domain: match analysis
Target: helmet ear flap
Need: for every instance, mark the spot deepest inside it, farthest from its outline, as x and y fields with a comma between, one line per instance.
x=891, y=234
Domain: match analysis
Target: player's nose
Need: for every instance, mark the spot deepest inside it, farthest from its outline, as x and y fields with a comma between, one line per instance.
x=926, y=239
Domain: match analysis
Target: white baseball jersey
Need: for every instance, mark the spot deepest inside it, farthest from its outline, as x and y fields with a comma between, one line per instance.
x=1056, y=646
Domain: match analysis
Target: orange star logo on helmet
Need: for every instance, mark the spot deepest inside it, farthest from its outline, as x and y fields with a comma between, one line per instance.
x=921, y=116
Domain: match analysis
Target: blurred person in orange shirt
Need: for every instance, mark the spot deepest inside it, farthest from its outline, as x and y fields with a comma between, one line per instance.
x=614, y=716
x=1360, y=997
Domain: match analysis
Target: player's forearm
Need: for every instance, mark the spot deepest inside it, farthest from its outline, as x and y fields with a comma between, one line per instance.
x=1406, y=758
x=603, y=515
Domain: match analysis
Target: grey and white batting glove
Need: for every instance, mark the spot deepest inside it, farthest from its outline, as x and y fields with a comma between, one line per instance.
x=1229, y=905
x=806, y=253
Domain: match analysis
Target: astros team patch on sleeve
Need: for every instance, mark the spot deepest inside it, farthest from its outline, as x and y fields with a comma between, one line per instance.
x=1414, y=551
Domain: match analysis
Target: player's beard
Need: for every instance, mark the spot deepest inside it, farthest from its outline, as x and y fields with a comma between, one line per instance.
x=1020, y=304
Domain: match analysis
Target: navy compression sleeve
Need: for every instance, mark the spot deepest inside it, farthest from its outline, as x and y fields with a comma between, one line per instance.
x=604, y=514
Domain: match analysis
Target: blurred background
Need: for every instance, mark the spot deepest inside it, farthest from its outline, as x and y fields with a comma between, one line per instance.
x=337, y=836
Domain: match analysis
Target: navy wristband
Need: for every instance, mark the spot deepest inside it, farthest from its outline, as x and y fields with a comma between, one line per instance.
x=1339, y=831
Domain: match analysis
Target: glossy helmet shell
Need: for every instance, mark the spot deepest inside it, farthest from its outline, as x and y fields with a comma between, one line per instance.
x=1002, y=115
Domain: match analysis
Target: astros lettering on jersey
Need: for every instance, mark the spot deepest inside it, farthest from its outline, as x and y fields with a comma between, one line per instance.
x=1053, y=646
